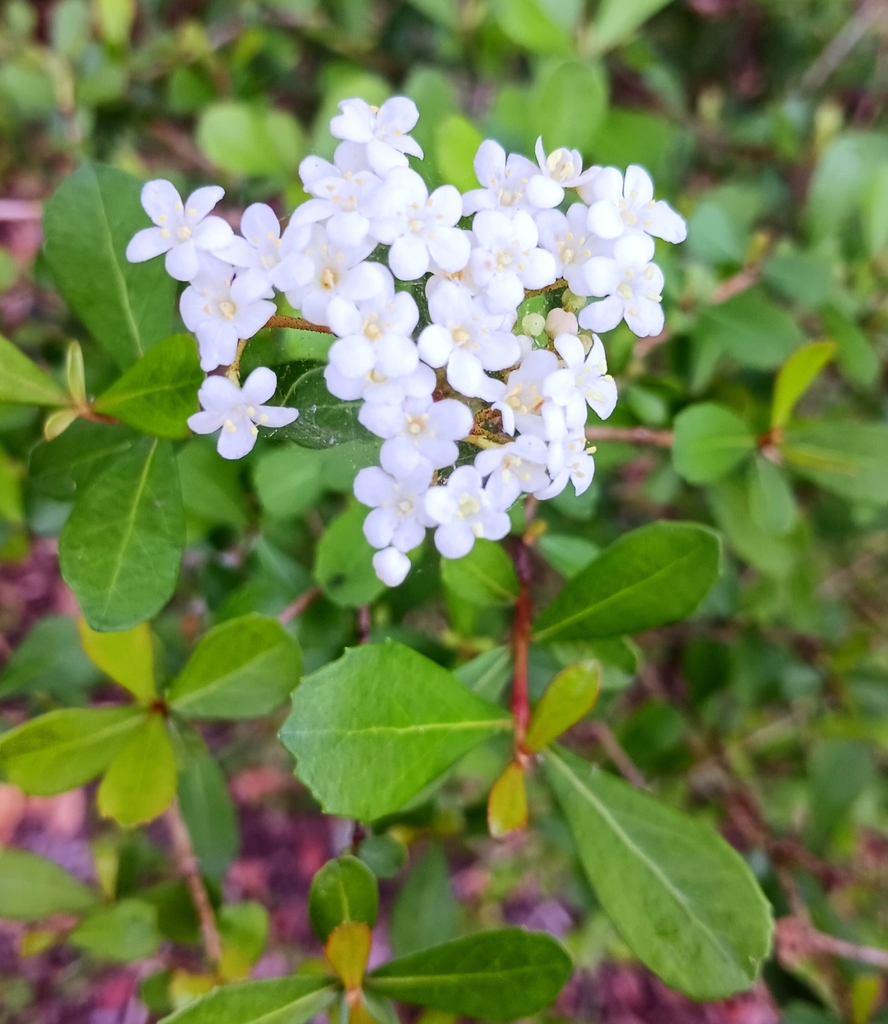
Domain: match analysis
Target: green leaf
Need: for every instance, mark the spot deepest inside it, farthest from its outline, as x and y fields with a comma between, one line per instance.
x=323, y=420
x=158, y=393
x=770, y=554
x=567, y=554
x=140, y=782
x=121, y=547
x=344, y=561
x=23, y=382
x=796, y=376
x=372, y=729
x=856, y=358
x=125, y=932
x=751, y=329
x=709, y=441
x=651, y=576
x=456, y=143
x=50, y=658
x=846, y=458
x=569, y=697
x=33, y=887
x=209, y=814
x=242, y=668
x=507, y=802
x=293, y=1000
x=499, y=975
x=128, y=657
x=839, y=770
x=289, y=480
x=568, y=107
x=62, y=468
x=425, y=913
x=616, y=20
x=344, y=889
x=771, y=502
x=66, y=748
x=243, y=138
x=527, y=23
x=87, y=224
x=487, y=674
x=383, y=854
x=243, y=928
x=485, y=576
x=684, y=900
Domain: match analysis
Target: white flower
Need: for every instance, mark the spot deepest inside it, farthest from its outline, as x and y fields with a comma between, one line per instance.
x=618, y=206
x=584, y=380
x=512, y=468
x=378, y=389
x=374, y=333
x=391, y=566
x=419, y=226
x=561, y=169
x=399, y=518
x=277, y=257
x=523, y=404
x=182, y=228
x=504, y=181
x=239, y=411
x=466, y=511
x=461, y=277
x=566, y=236
x=221, y=308
x=342, y=191
x=338, y=270
x=468, y=340
x=507, y=259
x=418, y=431
x=569, y=459
x=383, y=129
x=633, y=286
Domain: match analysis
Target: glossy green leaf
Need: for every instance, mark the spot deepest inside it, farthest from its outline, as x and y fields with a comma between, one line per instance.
x=499, y=975
x=344, y=561
x=487, y=674
x=289, y=480
x=567, y=554
x=425, y=912
x=323, y=420
x=485, y=576
x=856, y=357
x=242, y=668
x=839, y=771
x=158, y=393
x=650, y=576
x=844, y=457
x=243, y=138
x=616, y=20
x=292, y=1000
x=344, y=889
x=127, y=657
x=209, y=814
x=456, y=143
x=529, y=24
x=243, y=928
x=33, y=887
x=23, y=382
x=384, y=854
x=50, y=658
x=140, y=782
x=709, y=441
x=63, y=468
x=796, y=376
x=370, y=730
x=685, y=902
x=751, y=329
x=66, y=748
x=568, y=107
x=569, y=697
x=121, y=548
x=87, y=224
x=769, y=553
x=771, y=502
x=125, y=932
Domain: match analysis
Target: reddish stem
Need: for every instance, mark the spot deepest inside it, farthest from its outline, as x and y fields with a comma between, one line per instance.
x=299, y=605
x=520, y=643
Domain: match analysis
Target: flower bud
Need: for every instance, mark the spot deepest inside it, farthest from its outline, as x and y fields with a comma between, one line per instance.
x=533, y=324
x=559, y=321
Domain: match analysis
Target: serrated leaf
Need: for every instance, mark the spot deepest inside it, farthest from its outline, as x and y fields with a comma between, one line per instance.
x=127, y=657
x=87, y=224
x=124, y=932
x=293, y=1000
x=23, y=382
x=370, y=730
x=569, y=697
x=66, y=748
x=33, y=887
x=685, y=901
x=507, y=803
x=242, y=668
x=485, y=576
x=158, y=393
x=499, y=975
x=323, y=420
x=121, y=548
x=651, y=576
x=708, y=442
x=140, y=782
x=796, y=376
x=344, y=889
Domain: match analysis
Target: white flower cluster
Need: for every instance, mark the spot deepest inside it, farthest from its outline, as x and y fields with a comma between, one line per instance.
x=465, y=375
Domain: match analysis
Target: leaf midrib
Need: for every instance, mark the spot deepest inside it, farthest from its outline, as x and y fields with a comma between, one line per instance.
x=85, y=740
x=396, y=730
x=214, y=685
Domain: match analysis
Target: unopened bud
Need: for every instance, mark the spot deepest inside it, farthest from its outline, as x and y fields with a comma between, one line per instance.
x=572, y=303
x=559, y=321
x=533, y=324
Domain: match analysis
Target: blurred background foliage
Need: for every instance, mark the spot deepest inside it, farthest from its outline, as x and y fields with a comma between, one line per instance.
x=764, y=122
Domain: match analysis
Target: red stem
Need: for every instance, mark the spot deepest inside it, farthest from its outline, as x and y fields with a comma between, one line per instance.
x=520, y=644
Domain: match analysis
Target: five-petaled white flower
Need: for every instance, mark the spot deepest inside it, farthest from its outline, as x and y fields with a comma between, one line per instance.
x=385, y=130
x=239, y=411
x=399, y=518
x=377, y=388
x=503, y=181
x=182, y=229
x=569, y=459
x=466, y=511
x=561, y=169
x=627, y=205
x=513, y=468
x=583, y=380
x=566, y=236
x=221, y=308
x=523, y=404
x=507, y=260
x=342, y=191
x=277, y=257
x=633, y=286
x=417, y=432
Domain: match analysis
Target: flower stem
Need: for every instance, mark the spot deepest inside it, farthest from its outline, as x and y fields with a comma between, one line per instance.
x=296, y=323
x=187, y=862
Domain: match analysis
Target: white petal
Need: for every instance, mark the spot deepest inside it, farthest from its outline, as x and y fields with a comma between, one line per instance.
x=202, y=200
x=160, y=199
x=450, y=419
x=504, y=292
x=238, y=443
x=260, y=223
x=354, y=123
x=571, y=350
x=464, y=374
x=435, y=345
x=182, y=262
x=213, y=234
x=219, y=394
x=384, y=158
x=455, y=540
x=373, y=486
x=489, y=163
x=604, y=219
x=400, y=114
x=602, y=316
x=379, y=526
x=602, y=276
x=274, y=416
x=146, y=244
x=450, y=248
x=363, y=281
x=238, y=252
x=343, y=317
x=637, y=186
x=206, y=422
x=543, y=192
x=259, y=386
x=661, y=220
x=348, y=229
x=409, y=257
x=539, y=269
x=445, y=204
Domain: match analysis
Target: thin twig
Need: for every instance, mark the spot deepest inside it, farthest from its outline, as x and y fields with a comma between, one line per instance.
x=603, y=733
x=740, y=282
x=634, y=435
x=296, y=323
x=645, y=345
x=188, y=865
x=842, y=44
x=797, y=939
x=365, y=625
x=297, y=607
x=520, y=644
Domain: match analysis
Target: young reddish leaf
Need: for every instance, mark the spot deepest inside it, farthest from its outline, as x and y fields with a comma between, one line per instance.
x=507, y=805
